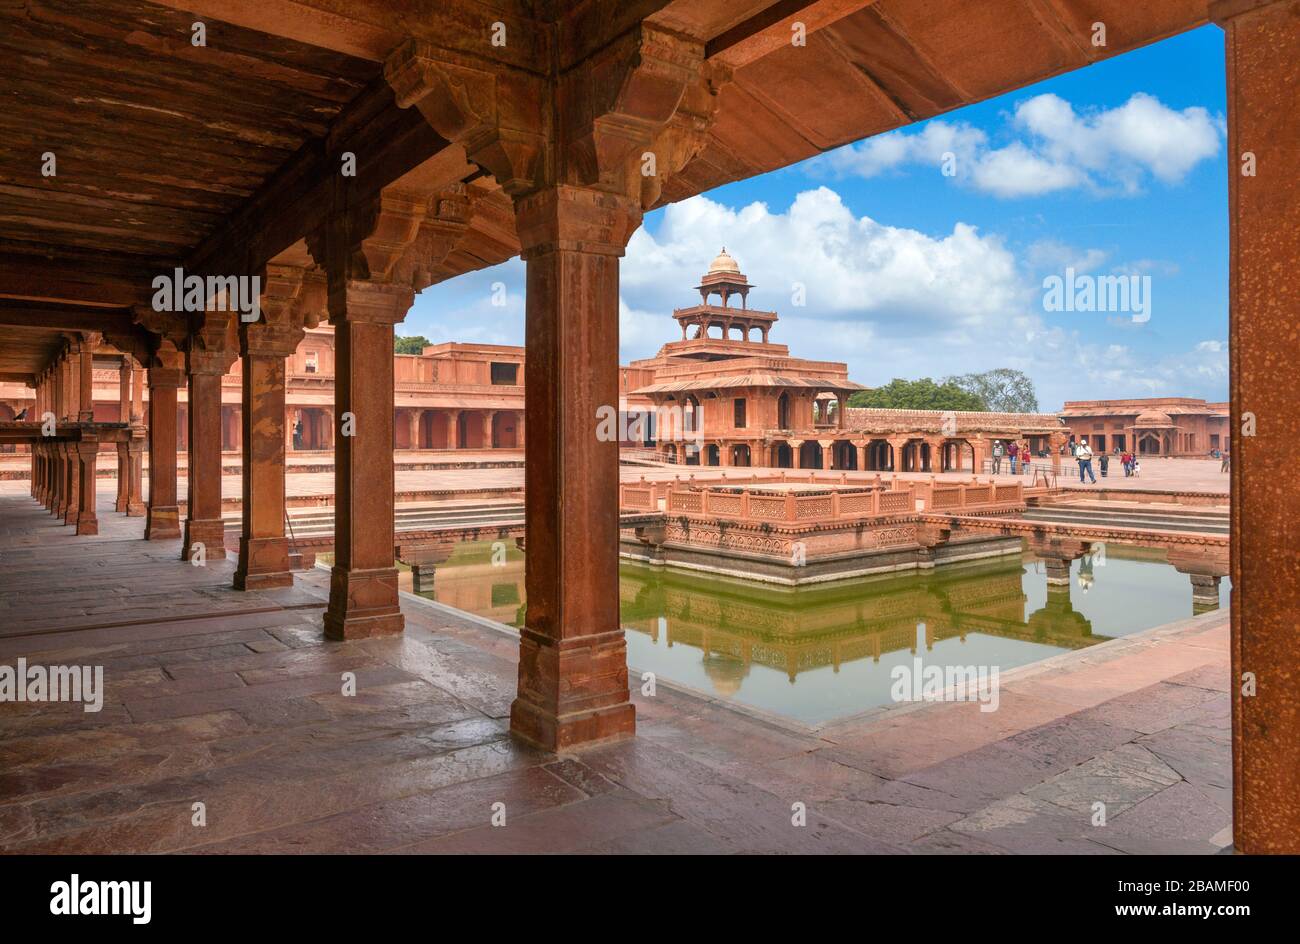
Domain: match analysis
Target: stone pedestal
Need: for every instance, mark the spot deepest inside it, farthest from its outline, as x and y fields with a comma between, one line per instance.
x=1205, y=593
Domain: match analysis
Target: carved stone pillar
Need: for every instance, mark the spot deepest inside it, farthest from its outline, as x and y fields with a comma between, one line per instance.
x=165, y=375
x=70, y=499
x=453, y=429
x=1263, y=71
x=573, y=666
x=87, y=455
x=363, y=583
x=264, y=345
x=208, y=359
x=571, y=150
x=123, y=451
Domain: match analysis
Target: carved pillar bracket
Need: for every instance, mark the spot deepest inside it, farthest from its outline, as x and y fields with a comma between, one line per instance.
x=499, y=117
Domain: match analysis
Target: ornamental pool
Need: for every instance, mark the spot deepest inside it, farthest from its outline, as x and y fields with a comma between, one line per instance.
x=816, y=653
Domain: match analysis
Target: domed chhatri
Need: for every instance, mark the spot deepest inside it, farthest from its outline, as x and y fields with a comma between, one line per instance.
x=725, y=279
x=724, y=263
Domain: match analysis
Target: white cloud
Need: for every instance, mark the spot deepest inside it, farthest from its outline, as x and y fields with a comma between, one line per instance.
x=1052, y=147
x=897, y=302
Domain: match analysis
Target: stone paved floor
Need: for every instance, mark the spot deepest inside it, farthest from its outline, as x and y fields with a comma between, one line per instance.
x=234, y=700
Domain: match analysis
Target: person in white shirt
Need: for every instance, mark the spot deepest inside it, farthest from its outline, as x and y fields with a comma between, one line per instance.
x=1084, y=454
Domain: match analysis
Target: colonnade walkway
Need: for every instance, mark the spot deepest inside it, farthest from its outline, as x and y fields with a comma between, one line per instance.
x=234, y=700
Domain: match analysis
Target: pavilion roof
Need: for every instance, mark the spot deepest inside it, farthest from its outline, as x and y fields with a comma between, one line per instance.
x=750, y=380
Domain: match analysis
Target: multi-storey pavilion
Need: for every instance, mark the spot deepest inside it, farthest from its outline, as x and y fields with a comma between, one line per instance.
x=349, y=155
x=725, y=394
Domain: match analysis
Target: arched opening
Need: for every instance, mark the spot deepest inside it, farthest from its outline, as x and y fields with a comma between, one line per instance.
x=711, y=455
x=783, y=411
x=740, y=455
x=810, y=455
x=783, y=456
x=1148, y=444
x=846, y=456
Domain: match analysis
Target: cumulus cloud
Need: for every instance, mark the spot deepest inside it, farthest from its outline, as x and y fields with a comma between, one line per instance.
x=897, y=302
x=1051, y=146
x=843, y=263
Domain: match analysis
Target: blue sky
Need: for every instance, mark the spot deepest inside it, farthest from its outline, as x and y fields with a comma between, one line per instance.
x=1119, y=168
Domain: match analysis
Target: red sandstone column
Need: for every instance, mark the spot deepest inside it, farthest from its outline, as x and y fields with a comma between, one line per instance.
x=453, y=429
x=163, y=521
x=263, y=548
x=87, y=454
x=573, y=686
x=413, y=429
x=487, y=428
x=1263, y=72
x=71, y=484
x=203, y=523
x=363, y=583
x=123, y=450
x=86, y=381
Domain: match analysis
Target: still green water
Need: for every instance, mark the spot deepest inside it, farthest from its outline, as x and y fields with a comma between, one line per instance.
x=818, y=653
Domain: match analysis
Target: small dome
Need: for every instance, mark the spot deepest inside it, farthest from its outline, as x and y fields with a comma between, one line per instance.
x=1153, y=418
x=724, y=263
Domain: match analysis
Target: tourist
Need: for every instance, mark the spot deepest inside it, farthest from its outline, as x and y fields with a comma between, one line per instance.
x=1137, y=466
x=1227, y=461
x=1084, y=456
x=1104, y=461
x=1012, y=451
x=997, y=456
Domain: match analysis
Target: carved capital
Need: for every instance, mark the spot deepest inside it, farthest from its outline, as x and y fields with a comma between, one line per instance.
x=370, y=302
x=627, y=120
x=576, y=218
x=498, y=117
x=280, y=328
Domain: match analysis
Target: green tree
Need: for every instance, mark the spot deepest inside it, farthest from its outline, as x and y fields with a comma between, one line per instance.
x=1003, y=390
x=409, y=345
x=923, y=394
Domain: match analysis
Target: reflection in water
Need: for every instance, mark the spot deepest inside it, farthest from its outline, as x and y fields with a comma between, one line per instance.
x=825, y=651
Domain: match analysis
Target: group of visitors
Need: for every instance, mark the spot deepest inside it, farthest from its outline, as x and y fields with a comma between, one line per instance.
x=1011, y=450
x=1131, y=464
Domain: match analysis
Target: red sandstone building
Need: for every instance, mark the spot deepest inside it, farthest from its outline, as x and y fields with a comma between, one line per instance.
x=449, y=396
x=1164, y=426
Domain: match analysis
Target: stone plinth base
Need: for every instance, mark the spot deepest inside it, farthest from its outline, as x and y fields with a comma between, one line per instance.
x=210, y=533
x=572, y=693
x=162, y=523
x=263, y=564
x=363, y=603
